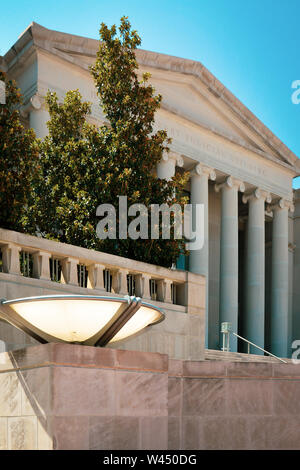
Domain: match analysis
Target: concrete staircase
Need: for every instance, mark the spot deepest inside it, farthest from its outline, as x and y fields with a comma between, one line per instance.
x=217, y=355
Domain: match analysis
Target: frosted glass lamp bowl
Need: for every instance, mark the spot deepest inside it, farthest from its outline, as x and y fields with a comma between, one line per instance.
x=81, y=319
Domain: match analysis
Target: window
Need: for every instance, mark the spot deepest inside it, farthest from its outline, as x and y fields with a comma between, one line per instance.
x=107, y=279
x=82, y=275
x=153, y=289
x=173, y=293
x=131, y=284
x=55, y=269
x=26, y=264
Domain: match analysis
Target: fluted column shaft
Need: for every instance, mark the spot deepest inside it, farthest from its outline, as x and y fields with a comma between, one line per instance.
x=198, y=260
x=279, y=286
x=229, y=252
x=254, y=321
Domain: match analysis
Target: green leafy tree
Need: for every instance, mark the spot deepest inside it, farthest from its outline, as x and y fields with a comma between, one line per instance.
x=83, y=166
x=18, y=158
x=65, y=189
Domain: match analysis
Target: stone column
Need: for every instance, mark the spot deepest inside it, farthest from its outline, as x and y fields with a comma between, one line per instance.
x=166, y=167
x=198, y=260
x=41, y=265
x=142, y=286
x=11, y=259
x=164, y=290
x=95, y=277
x=69, y=271
x=229, y=251
x=254, y=319
x=280, y=278
x=38, y=116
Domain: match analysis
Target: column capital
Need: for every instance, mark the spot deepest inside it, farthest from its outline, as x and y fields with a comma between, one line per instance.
x=281, y=204
x=34, y=104
x=230, y=182
x=173, y=156
x=257, y=194
x=200, y=170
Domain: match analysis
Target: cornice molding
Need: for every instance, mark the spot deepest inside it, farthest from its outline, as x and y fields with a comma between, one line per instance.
x=230, y=183
x=257, y=193
x=56, y=42
x=203, y=170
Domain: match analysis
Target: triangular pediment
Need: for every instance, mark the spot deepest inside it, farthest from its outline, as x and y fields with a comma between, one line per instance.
x=187, y=97
x=190, y=92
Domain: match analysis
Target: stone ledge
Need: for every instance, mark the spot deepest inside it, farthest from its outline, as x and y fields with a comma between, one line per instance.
x=72, y=355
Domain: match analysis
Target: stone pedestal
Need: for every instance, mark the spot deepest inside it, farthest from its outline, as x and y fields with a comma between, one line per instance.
x=63, y=396
x=60, y=396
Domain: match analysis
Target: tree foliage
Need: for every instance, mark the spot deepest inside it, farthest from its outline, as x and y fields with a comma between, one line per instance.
x=18, y=158
x=82, y=166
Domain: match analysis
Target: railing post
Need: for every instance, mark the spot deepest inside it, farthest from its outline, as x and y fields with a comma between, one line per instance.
x=11, y=259
x=142, y=286
x=225, y=330
x=95, y=276
x=164, y=290
x=41, y=265
x=120, y=281
x=69, y=271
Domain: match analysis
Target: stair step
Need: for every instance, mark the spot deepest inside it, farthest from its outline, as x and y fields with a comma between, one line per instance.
x=217, y=355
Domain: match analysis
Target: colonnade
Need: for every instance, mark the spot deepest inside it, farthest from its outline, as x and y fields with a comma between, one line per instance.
x=254, y=282
x=254, y=314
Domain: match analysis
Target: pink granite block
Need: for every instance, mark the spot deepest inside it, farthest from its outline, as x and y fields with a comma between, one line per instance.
x=204, y=369
x=249, y=369
x=249, y=397
x=141, y=394
x=83, y=391
x=223, y=433
x=154, y=433
x=126, y=433
x=287, y=397
x=190, y=433
x=203, y=397
x=114, y=433
x=175, y=367
x=71, y=432
x=74, y=354
x=175, y=396
x=274, y=433
x=31, y=356
x=142, y=360
x=174, y=433
x=101, y=432
x=286, y=370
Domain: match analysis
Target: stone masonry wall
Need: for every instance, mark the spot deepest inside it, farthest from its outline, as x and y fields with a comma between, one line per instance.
x=59, y=396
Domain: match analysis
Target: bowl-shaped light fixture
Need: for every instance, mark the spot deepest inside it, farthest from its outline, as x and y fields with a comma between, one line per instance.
x=82, y=319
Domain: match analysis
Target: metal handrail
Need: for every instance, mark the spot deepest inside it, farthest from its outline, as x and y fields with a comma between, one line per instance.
x=258, y=347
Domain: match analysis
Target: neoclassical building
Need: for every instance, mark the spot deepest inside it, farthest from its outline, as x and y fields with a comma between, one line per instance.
x=239, y=170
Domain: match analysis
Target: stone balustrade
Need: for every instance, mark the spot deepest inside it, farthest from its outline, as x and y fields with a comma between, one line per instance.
x=36, y=266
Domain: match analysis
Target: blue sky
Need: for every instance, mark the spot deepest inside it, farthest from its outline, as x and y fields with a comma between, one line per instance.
x=252, y=47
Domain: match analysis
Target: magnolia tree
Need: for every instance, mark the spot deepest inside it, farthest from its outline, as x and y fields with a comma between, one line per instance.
x=82, y=166
x=18, y=158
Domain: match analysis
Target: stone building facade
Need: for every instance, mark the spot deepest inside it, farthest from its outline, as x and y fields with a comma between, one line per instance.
x=239, y=170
